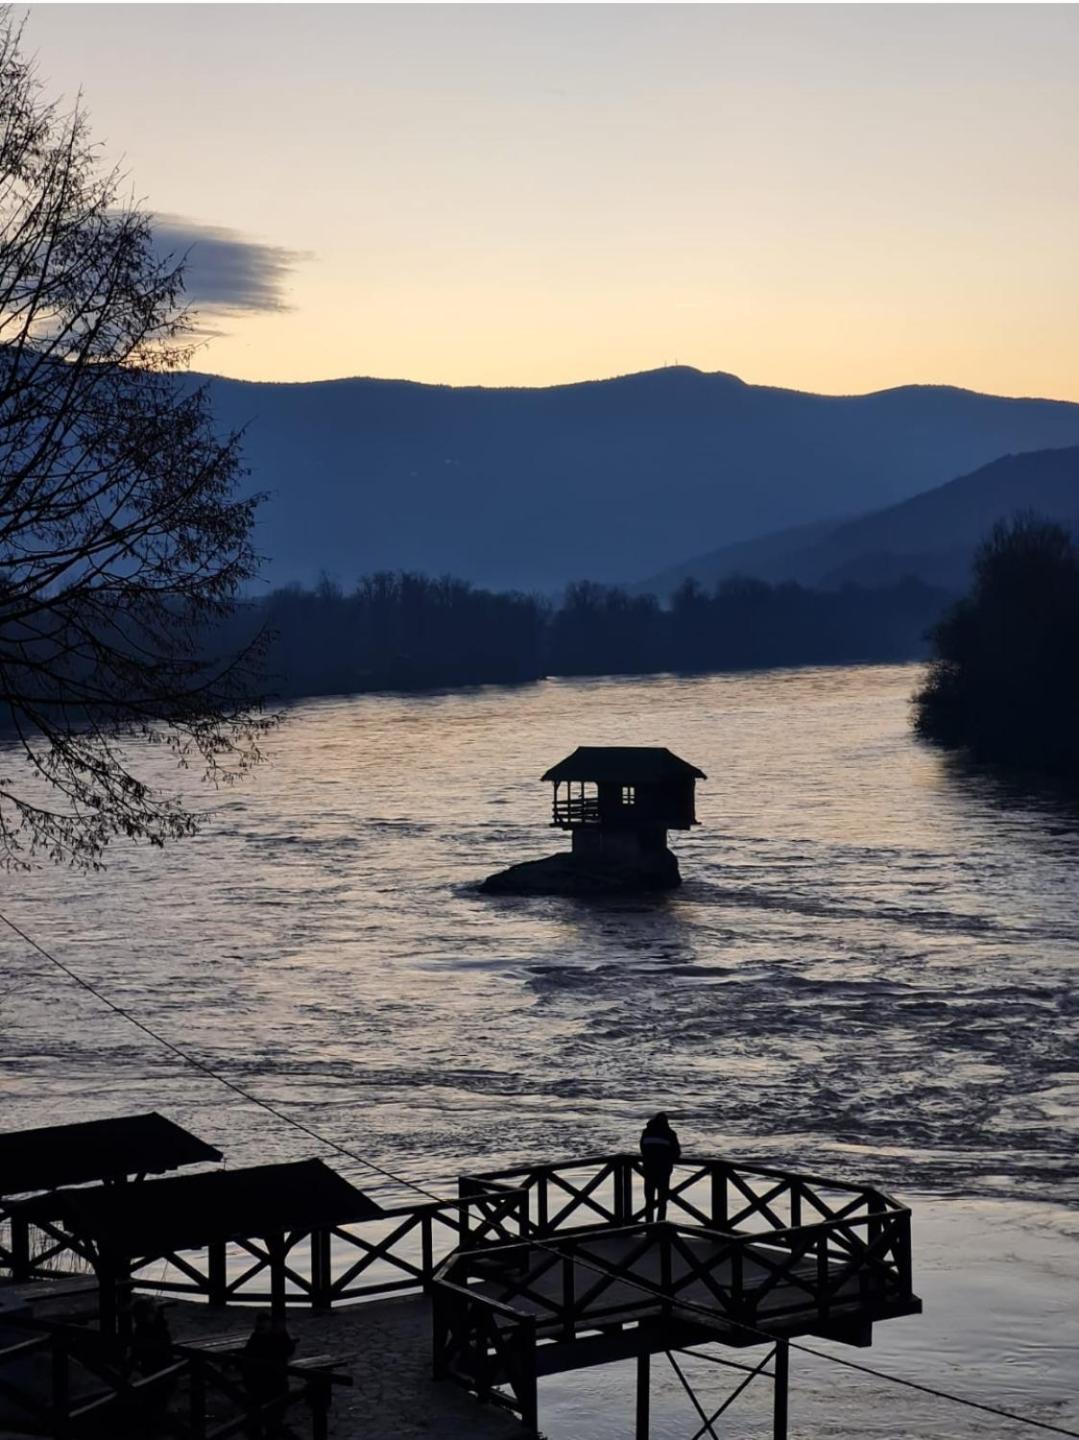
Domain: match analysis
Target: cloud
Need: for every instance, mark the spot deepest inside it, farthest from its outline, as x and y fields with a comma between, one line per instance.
x=225, y=273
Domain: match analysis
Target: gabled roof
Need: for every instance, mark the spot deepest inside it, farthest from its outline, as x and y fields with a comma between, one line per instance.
x=623, y=765
x=187, y=1212
x=96, y=1150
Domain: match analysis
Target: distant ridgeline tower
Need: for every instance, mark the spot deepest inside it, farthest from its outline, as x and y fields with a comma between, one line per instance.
x=617, y=802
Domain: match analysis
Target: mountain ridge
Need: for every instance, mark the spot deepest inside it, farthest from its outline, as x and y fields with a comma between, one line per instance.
x=532, y=487
x=931, y=536
x=201, y=376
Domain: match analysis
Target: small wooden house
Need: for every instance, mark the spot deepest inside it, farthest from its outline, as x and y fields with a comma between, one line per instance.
x=620, y=800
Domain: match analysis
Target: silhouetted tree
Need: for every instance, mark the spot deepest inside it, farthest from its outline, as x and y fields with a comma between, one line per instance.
x=602, y=629
x=121, y=539
x=406, y=632
x=1004, y=680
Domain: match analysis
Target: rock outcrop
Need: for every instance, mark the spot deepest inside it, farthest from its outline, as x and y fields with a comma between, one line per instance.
x=571, y=873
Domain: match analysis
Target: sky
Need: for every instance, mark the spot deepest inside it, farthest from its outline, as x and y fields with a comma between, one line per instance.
x=836, y=198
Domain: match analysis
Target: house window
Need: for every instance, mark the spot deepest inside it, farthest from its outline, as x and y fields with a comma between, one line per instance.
x=629, y=794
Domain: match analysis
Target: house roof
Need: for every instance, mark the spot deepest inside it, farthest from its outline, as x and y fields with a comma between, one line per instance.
x=623, y=765
x=96, y=1150
x=187, y=1212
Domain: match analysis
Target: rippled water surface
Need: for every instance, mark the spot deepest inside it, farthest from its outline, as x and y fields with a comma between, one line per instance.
x=870, y=968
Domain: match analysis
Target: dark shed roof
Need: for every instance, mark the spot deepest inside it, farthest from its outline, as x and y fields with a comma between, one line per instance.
x=190, y=1211
x=96, y=1150
x=623, y=765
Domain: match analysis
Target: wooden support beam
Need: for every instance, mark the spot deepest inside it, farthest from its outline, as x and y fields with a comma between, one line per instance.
x=216, y=1275
x=114, y=1296
x=275, y=1246
x=321, y=1280
x=781, y=1369
x=644, y=1367
x=20, y=1248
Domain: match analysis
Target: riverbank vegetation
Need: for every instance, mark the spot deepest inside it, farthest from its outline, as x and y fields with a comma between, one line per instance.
x=407, y=631
x=1004, y=679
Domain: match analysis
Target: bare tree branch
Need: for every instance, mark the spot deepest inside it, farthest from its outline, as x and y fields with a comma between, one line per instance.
x=123, y=540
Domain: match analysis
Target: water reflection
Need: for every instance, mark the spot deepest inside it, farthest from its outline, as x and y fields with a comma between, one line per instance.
x=870, y=965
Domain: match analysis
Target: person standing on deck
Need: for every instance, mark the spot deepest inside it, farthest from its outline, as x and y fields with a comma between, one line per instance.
x=660, y=1152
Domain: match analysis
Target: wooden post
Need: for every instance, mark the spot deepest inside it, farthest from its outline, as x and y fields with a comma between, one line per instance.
x=781, y=1367
x=109, y=1284
x=569, y=1323
x=719, y=1198
x=644, y=1365
x=275, y=1245
x=318, y=1399
x=217, y=1284
x=427, y=1249
x=621, y=1191
x=20, y=1247
x=665, y=1276
x=823, y=1299
x=738, y=1284
x=528, y=1392
x=320, y=1270
x=906, y=1279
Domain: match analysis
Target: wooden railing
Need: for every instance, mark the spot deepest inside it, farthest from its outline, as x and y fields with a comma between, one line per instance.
x=402, y=1249
x=487, y=1347
x=528, y=1258
x=718, y=1194
x=577, y=811
x=747, y=1248
x=66, y=1382
x=582, y=1280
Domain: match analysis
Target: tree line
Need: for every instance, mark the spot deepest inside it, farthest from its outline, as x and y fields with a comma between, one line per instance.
x=1003, y=684
x=409, y=631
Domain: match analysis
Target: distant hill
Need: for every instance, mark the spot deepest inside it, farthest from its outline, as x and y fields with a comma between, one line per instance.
x=606, y=479
x=931, y=537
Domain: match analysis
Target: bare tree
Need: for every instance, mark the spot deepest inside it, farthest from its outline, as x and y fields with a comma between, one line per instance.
x=122, y=538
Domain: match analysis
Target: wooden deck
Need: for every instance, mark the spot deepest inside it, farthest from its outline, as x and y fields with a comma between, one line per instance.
x=384, y=1347
x=752, y=1256
x=540, y=1269
x=624, y=1299
x=640, y=1294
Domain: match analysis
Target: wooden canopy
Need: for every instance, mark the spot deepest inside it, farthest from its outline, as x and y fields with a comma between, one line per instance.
x=96, y=1150
x=623, y=765
x=190, y=1212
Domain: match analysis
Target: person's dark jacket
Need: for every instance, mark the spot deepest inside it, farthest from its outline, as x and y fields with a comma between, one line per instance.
x=660, y=1150
x=265, y=1361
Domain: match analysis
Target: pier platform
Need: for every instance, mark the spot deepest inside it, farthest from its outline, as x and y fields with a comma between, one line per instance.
x=525, y=1273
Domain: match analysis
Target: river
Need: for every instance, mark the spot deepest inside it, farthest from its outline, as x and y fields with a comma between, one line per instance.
x=869, y=970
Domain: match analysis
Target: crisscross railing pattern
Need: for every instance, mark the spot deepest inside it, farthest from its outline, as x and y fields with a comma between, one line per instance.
x=747, y=1249
x=403, y=1248
x=721, y=1194
x=67, y=1382
x=583, y=1280
x=400, y=1250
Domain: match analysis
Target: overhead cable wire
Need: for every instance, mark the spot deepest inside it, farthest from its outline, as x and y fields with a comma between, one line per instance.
x=213, y=1074
x=631, y=1282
